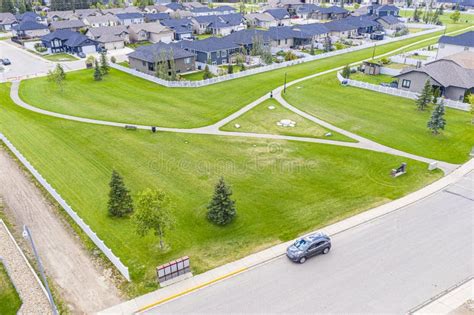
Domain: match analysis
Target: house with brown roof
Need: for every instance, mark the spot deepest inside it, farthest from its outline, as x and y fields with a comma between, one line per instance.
x=152, y=32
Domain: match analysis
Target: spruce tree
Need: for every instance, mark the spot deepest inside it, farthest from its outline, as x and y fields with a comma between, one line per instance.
x=120, y=202
x=221, y=209
x=60, y=71
x=104, y=64
x=327, y=44
x=346, y=72
x=97, y=72
x=437, y=121
x=207, y=73
x=424, y=98
x=230, y=69
x=311, y=50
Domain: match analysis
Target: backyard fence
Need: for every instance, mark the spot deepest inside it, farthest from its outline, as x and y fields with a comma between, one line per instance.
x=91, y=234
x=399, y=92
x=390, y=71
x=274, y=66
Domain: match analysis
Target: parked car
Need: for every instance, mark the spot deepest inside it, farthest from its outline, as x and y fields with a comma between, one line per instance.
x=81, y=55
x=309, y=246
x=6, y=61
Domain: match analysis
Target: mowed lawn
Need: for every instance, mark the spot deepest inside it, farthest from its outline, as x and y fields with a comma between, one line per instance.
x=124, y=98
x=264, y=117
x=282, y=188
x=10, y=301
x=389, y=120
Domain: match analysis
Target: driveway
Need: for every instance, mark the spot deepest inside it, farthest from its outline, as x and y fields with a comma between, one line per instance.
x=388, y=265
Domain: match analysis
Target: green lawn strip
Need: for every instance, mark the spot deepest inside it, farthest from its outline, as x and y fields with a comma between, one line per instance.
x=10, y=301
x=125, y=98
x=138, y=44
x=124, y=64
x=389, y=120
x=282, y=188
x=464, y=20
x=194, y=76
x=59, y=57
x=394, y=65
x=261, y=119
x=374, y=79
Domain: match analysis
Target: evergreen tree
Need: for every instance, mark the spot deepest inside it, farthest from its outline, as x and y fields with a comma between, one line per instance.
x=327, y=44
x=455, y=16
x=207, y=73
x=230, y=69
x=416, y=15
x=436, y=93
x=153, y=213
x=424, y=98
x=172, y=74
x=104, y=64
x=242, y=8
x=441, y=10
x=60, y=71
x=346, y=72
x=97, y=72
x=8, y=6
x=437, y=121
x=120, y=202
x=311, y=50
x=221, y=209
x=21, y=6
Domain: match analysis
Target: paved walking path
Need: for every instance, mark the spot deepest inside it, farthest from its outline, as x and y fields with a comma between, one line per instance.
x=26, y=282
x=197, y=282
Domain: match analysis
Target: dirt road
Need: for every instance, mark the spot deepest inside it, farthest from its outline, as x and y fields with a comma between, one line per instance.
x=82, y=284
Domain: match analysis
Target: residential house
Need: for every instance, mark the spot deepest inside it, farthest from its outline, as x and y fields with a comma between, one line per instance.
x=383, y=10
x=330, y=13
x=218, y=24
x=32, y=17
x=101, y=20
x=83, y=13
x=216, y=51
x=29, y=29
x=448, y=45
x=115, y=11
x=245, y=39
x=152, y=32
x=174, y=6
x=146, y=58
x=453, y=4
x=130, y=18
x=341, y=29
x=156, y=17
x=453, y=77
x=110, y=37
x=280, y=15
x=193, y=4
x=72, y=25
x=365, y=24
x=286, y=37
x=182, y=28
x=306, y=10
x=69, y=42
x=316, y=31
x=157, y=8
x=61, y=15
x=390, y=22
x=7, y=21
x=225, y=9
x=262, y=20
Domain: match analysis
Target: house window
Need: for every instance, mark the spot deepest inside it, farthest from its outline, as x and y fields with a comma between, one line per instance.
x=187, y=60
x=223, y=53
x=144, y=63
x=151, y=66
x=286, y=41
x=406, y=83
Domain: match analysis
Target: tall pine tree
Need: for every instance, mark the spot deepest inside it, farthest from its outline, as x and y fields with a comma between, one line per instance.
x=437, y=121
x=221, y=209
x=120, y=202
x=424, y=98
x=104, y=64
x=97, y=72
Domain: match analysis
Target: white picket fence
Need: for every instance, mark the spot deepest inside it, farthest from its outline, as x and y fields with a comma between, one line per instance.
x=274, y=66
x=90, y=233
x=390, y=71
x=399, y=92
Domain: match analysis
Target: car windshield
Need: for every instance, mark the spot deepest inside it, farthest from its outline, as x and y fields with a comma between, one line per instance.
x=301, y=244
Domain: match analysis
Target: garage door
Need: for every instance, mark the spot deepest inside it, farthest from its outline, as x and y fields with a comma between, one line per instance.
x=88, y=49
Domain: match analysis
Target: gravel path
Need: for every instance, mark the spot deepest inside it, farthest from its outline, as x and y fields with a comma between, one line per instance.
x=31, y=292
x=82, y=284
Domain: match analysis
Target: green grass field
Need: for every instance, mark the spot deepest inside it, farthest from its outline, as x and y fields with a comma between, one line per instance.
x=261, y=119
x=374, y=79
x=10, y=301
x=195, y=76
x=59, y=57
x=125, y=98
x=390, y=120
x=282, y=188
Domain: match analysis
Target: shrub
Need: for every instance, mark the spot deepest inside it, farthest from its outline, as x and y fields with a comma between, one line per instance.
x=113, y=59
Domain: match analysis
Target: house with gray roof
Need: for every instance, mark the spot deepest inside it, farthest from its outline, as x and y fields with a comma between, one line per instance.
x=281, y=15
x=7, y=21
x=110, y=37
x=130, y=18
x=69, y=42
x=382, y=10
x=29, y=29
x=101, y=20
x=182, y=28
x=452, y=78
x=218, y=24
x=262, y=20
x=448, y=45
x=71, y=25
x=216, y=51
x=152, y=32
x=61, y=15
x=146, y=58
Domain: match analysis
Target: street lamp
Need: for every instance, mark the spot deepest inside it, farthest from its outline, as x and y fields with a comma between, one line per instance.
x=27, y=236
x=284, y=85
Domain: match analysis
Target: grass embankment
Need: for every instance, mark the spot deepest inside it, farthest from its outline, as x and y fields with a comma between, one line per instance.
x=282, y=188
x=10, y=301
x=125, y=98
x=390, y=120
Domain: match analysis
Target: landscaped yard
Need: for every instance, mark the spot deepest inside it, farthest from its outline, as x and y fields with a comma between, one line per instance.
x=390, y=120
x=10, y=301
x=374, y=79
x=264, y=117
x=122, y=97
x=418, y=57
x=59, y=57
x=395, y=65
x=138, y=44
x=282, y=188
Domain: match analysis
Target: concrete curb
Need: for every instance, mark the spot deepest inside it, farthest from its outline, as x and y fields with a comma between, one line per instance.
x=226, y=271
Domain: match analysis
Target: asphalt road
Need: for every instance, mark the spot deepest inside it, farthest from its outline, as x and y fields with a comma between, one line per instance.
x=388, y=265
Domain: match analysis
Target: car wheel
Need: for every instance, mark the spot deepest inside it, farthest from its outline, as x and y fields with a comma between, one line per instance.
x=326, y=250
x=302, y=260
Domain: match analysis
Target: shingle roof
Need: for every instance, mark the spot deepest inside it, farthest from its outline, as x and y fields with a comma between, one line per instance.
x=332, y=10
x=219, y=21
x=101, y=18
x=246, y=37
x=156, y=16
x=70, y=38
x=285, y=32
x=100, y=32
x=179, y=25
x=447, y=73
x=28, y=16
x=174, y=6
x=7, y=18
x=361, y=21
x=149, y=27
x=264, y=17
x=339, y=26
x=29, y=25
x=390, y=19
x=225, y=8
x=278, y=14
x=129, y=16
x=464, y=39
x=312, y=29
x=209, y=44
x=152, y=53
x=58, y=25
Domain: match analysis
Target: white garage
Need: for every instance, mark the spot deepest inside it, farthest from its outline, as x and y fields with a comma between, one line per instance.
x=90, y=49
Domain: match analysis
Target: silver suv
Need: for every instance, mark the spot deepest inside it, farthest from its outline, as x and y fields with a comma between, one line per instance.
x=308, y=246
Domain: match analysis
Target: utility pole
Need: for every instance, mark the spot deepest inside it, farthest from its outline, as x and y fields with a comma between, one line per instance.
x=27, y=235
x=373, y=52
x=284, y=85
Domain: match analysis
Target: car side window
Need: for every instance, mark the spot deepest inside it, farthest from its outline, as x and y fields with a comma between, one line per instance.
x=313, y=246
x=319, y=243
